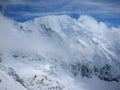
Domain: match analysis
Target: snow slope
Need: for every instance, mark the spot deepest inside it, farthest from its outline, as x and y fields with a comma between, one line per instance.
x=8, y=83
x=59, y=53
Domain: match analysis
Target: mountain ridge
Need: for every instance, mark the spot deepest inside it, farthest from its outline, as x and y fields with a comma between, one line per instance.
x=52, y=45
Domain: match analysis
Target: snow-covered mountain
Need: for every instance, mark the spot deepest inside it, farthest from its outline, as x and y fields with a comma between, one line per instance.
x=59, y=53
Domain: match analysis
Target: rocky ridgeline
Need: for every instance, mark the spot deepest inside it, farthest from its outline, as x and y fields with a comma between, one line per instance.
x=86, y=70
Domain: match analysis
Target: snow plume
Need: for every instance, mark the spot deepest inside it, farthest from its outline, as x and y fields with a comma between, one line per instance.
x=100, y=29
x=92, y=24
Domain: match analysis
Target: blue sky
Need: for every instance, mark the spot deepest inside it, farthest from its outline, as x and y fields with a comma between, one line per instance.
x=103, y=10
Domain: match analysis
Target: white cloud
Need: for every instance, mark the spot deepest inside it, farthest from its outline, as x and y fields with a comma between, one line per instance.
x=92, y=24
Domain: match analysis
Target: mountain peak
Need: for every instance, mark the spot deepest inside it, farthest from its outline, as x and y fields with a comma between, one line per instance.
x=50, y=51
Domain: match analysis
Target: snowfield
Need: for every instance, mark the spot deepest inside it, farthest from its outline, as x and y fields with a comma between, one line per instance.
x=59, y=53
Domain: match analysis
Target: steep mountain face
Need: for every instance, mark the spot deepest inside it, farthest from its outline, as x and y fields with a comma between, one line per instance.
x=41, y=53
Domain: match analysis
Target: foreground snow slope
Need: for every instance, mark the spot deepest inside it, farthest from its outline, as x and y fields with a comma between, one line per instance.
x=8, y=83
x=59, y=53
